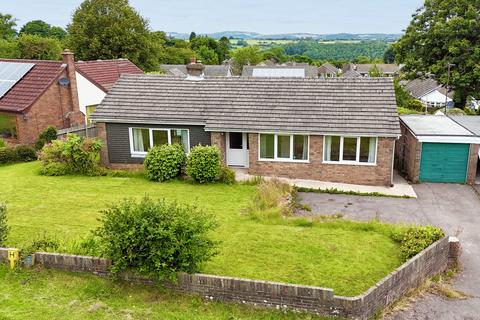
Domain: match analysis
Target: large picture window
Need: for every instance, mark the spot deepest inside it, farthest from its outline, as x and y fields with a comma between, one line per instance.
x=283, y=147
x=142, y=139
x=350, y=150
x=8, y=126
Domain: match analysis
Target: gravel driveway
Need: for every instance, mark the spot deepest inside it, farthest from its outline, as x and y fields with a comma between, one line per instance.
x=455, y=208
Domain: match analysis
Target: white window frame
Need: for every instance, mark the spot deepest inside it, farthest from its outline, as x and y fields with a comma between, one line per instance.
x=275, y=148
x=355, y=162
x=138, y=154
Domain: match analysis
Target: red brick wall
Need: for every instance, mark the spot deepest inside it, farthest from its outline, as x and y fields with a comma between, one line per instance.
x=218, y=139
x=380, y=174
x=472, y=164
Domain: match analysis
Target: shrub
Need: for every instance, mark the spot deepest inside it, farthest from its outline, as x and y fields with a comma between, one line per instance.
x=203, y=164
x=470, y=112
x=20, y=153
x=164, y=162
x=2, y=143
x=415, y=105
x=156, y=238
x=455, y=111
x=72, y=155
x=3, y=224
x=227, y=175
x=47, y=136
x=415, y=239
x=270, y=200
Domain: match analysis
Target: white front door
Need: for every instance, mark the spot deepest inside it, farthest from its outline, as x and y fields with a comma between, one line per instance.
x=237, y=149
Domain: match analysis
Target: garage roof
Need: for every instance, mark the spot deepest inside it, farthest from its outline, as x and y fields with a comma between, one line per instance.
x=471, y=123
x=430, y=128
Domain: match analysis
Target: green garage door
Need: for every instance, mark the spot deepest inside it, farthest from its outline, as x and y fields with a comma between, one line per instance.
x=444, y=162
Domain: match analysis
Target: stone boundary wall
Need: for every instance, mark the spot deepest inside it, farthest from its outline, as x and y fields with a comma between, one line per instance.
x=433, y=260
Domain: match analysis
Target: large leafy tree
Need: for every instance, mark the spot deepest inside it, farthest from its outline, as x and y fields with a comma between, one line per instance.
x=442, y=33
x=110, y=29
x=244, y=56
x=41, y=28
x=32, y=46
x=7, y=26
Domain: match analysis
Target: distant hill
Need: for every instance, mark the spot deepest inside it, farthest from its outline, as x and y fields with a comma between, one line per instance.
x=293, y=36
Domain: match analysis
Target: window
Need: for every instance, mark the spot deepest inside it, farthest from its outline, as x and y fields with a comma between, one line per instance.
x=8, y=126
x=282, y=147
x=142, y=139
x=355, y=150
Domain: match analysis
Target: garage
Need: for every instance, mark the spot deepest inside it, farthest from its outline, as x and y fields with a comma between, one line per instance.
x=437, y=149
x=444, y=162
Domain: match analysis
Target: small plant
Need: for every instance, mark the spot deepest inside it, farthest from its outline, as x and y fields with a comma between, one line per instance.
x=227, y=175
x=72, y=155
x=164, y=162
x=3, y=224
x=415, y=239
x=43, y=243
x=156, y=238
x=3, y=144
x=203, y=164
x=47, y=136
x=253, y=181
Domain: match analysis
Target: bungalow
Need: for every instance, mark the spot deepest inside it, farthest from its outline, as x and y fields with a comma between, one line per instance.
x=328, y=70
x=438, y=148
x=387, y=69
x=335, y=129
x=429, y=92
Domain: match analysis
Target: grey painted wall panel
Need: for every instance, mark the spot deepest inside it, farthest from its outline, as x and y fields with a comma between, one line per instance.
x=119, y=143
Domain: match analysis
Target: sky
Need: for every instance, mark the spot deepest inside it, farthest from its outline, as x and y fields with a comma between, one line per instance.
x=262, y=16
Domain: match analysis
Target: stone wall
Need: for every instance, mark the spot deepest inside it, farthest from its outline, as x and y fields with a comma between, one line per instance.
x=379, y=174
x=433, y=260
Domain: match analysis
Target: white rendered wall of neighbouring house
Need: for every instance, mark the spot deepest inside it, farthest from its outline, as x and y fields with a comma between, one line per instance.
x=88, y=93
x=435, y=98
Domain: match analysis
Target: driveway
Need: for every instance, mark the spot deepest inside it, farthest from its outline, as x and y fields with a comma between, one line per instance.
x=454, y=208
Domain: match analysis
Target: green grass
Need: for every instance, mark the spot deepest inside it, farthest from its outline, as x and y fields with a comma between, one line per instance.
x=47, y=294
x=348, y=257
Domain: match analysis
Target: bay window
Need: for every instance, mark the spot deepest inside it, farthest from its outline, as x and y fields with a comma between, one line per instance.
x=142, y=139
x=350, y=150
x=283, y=147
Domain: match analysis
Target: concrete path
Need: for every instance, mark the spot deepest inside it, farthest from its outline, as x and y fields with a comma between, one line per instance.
x=400, y=188
x=455, y=208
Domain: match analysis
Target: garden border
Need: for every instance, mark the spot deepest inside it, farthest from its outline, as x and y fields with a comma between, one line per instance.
x=435, y=259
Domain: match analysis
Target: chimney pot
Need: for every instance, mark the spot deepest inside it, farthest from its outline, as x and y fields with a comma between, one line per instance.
x=195, y=69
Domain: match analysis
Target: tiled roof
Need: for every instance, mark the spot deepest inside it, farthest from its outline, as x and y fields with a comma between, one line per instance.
x=421, y=87
x=104, y=73
x=28, y=89
x=180, y=70
x=328, y=68
x=351, y=74
x=363, y=106
x=310, y=71
x=386, y=68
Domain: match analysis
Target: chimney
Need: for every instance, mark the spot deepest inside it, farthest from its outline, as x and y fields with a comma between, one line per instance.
x=74, y=115
x=195, y=69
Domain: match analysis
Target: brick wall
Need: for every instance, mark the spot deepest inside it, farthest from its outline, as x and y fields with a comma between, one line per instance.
x=433, y=260
x=379, y=174
x=218, y=139
x=408, y=152
x=472, y=164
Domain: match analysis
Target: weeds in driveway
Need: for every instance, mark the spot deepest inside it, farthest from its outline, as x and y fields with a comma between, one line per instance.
x=350, y=193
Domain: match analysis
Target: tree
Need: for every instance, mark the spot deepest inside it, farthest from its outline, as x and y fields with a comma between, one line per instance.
x=111, y=29
x=193, y=35
x=244, y=56
x=206, y=55
x=375, y=72
x=389, y=55
x=223, y=48
x=37, y=47
x=9, y=49
x=36, y=27
x=275, y=53
x=57, y=32
x=7, y=26
x=444, y=32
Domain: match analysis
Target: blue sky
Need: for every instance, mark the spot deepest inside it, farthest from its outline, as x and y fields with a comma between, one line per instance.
x=263, y=16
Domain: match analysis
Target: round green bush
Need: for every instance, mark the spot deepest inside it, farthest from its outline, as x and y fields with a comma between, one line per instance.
x=156, y=238
x=164, y=162
x=203, y=164
x=227, y=175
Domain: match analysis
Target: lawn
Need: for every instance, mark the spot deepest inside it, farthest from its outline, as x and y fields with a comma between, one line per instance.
x=29, y=294
x=348, y=257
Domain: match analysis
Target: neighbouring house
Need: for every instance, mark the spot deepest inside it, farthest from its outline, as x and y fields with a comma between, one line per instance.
x=335, y=129
x=438, y=149
x=387, y=69
x=180, y=70
x=95, y=78
x=290, y=70
x=328, y=70
x=35, y=94
x=351, y=74
x=429, y=92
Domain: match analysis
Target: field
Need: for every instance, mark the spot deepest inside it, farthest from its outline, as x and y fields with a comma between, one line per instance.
x=348, y=257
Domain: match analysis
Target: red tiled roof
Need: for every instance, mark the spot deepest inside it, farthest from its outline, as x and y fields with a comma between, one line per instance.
x=28, y=89
x=104, y=73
